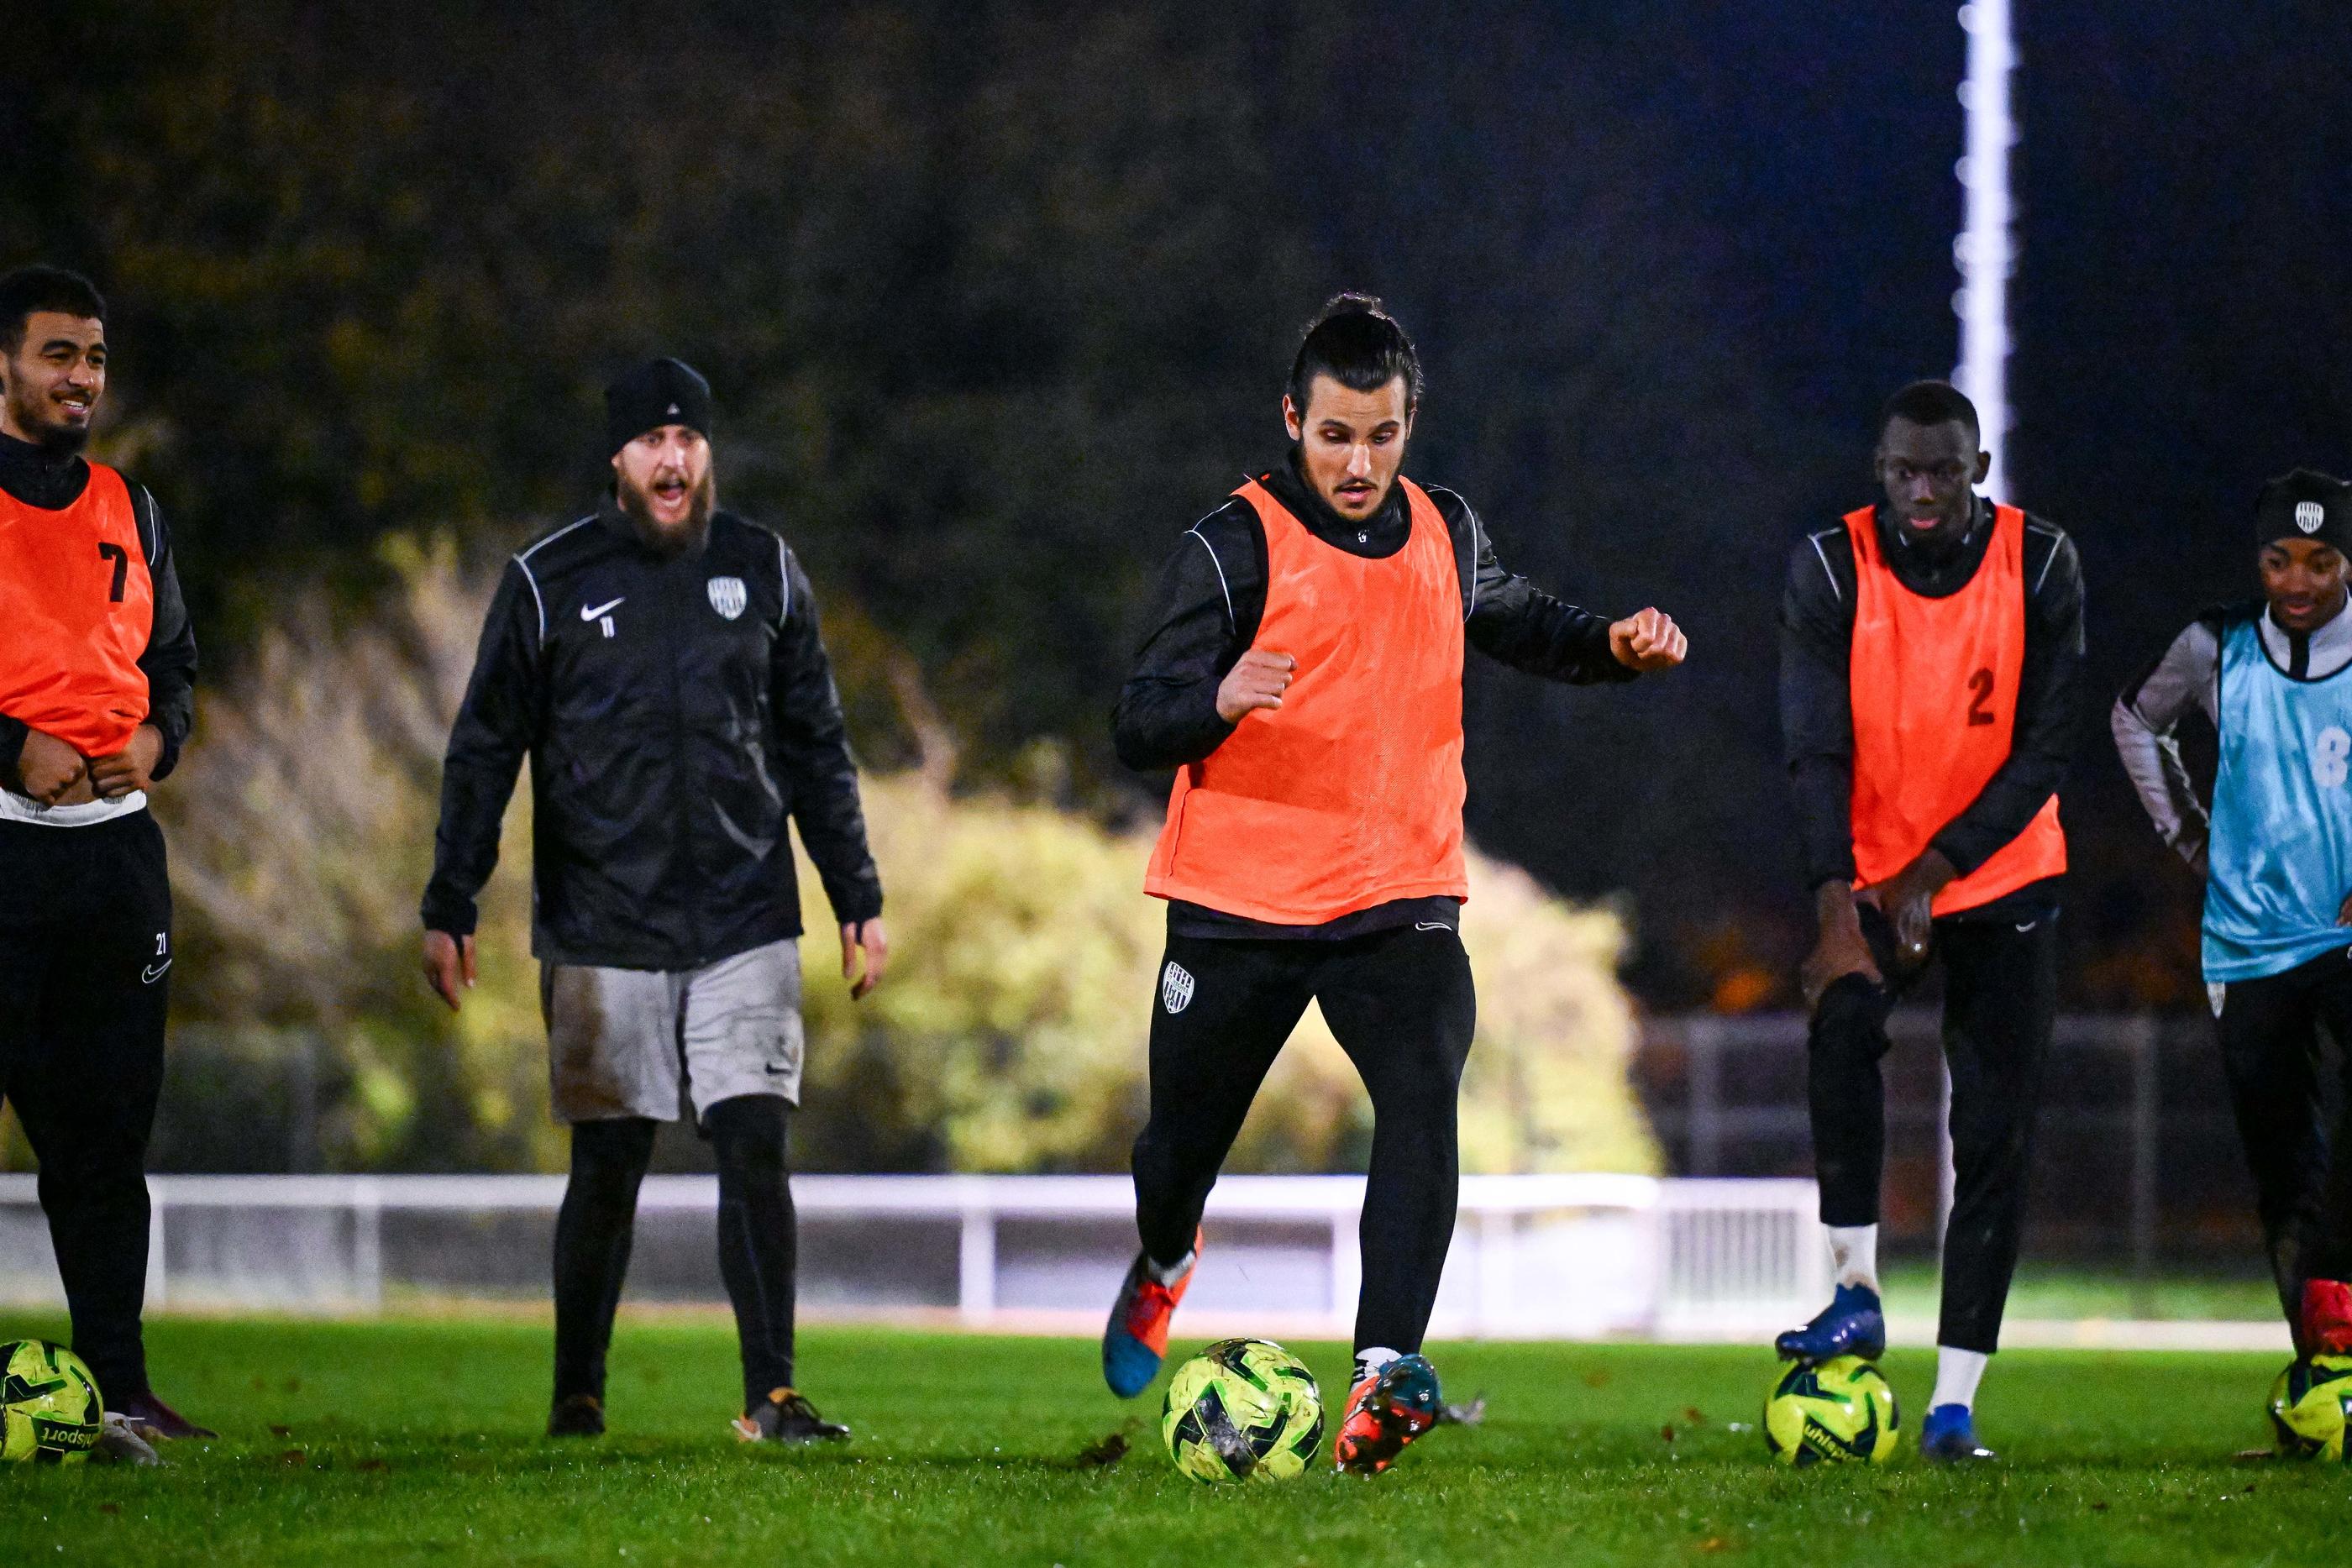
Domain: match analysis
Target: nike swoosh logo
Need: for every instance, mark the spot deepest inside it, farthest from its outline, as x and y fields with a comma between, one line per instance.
x=2027, y=927
x=1431, y=925
x=588, y=614
x=153, y=972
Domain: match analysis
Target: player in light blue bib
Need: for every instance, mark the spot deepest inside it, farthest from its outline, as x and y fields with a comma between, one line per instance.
x=2275, y=676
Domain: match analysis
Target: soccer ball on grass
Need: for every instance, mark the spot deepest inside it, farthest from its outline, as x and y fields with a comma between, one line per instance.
x=50, y=1412
x=2309, y=1404
x=1838, y=1412
x=1243, y=1410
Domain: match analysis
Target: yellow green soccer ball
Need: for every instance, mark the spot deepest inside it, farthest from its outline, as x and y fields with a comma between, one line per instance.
x=1840, y=1412
x=1243, y=1410
x=2309, y=1404
x=50, y=1412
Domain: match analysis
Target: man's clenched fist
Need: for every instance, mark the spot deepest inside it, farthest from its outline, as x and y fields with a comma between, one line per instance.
x=49, y=770
x=1257, y=680
x=1647, y=640
x=118, y=773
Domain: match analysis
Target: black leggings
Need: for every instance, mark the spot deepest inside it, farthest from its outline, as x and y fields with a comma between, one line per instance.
x=758, y=1240
x=2001, y=1000
x=85, y=961
x=1401, y=1004
x=2302, y=1174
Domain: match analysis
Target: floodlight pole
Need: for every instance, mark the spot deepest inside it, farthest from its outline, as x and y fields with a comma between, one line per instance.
x=1985, y=252
x=1986, y=255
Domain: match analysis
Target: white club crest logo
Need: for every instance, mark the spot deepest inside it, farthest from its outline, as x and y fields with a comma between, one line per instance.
x=2309, y=515
x=728, y=596
x=1175, y=988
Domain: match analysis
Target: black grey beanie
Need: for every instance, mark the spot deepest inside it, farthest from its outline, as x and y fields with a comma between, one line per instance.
x=665, y=391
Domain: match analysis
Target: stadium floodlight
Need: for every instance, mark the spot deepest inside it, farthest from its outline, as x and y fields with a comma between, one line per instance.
x=1985, y=252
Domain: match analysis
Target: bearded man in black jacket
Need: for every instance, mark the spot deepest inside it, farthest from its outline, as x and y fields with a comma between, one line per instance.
x=659, y=662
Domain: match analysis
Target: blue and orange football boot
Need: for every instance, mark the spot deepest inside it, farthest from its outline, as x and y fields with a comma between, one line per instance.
x=1386, y=1410
x=1851, y=1325
x=1135, y=1340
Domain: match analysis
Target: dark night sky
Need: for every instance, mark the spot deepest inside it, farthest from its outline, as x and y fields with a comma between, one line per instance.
x=979, y=276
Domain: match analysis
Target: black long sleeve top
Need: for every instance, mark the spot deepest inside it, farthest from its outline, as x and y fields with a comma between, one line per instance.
x=1212, y=595
x=37, y=477
x=1817, y=610
x=678, y=708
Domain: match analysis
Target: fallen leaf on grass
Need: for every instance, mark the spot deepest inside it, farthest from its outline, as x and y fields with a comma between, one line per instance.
x=277, y=1432
x=1596, y=1380
x=371, y=1465
x=1667, y=1431
x=110, y=1508
x=292, y=1456
x=2098, y=1508
x=1101, y=1455
x=1694, y=1415
x=1714, y=1543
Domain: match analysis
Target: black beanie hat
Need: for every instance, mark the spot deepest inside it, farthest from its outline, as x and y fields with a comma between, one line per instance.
x=2305, y=504
x=665, y=392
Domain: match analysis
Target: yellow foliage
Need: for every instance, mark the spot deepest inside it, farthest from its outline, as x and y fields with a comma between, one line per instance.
x=1010, y=1035
x=1025, y=964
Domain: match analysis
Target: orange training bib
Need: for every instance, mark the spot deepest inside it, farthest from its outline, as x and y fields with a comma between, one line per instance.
x=77, y=608
x=1935, y=686
x=1349, y=795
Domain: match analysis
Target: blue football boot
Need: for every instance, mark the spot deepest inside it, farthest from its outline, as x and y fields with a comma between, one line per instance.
x=1948, y=1437
x=1851, y=1325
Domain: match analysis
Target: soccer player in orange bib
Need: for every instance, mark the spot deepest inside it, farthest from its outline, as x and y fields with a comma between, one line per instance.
x=1931, y=673
x=1304, y=677
x=96, y=693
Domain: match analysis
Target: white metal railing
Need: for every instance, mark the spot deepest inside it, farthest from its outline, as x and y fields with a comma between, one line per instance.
x=1533, y=1256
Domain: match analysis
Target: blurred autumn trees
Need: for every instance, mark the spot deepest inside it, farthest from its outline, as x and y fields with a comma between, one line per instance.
x=996, y=298
x=1010, y=1035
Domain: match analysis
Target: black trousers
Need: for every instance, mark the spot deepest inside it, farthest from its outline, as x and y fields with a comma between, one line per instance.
x=2302, y=1167
x=1401, y=1005
x=2001, y=1000
x=85, y=955
x=758, y=1240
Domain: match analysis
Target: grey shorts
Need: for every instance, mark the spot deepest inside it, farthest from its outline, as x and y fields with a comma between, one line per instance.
x=625, y=1042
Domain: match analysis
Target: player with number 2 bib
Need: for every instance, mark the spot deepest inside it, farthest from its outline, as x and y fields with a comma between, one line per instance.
x=1931, y=666
x=2269, y=675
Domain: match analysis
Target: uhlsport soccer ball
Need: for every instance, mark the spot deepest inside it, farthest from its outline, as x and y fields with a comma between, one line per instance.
x=1243, y=1410
x=50, y=1412
x=2309, y=1404
x=1840, y=1412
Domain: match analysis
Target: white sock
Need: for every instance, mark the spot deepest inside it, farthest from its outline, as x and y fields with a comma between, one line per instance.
x=1853, y=1255
x=1169, y=1273
x=1957, y=1372
x=1371, y=1358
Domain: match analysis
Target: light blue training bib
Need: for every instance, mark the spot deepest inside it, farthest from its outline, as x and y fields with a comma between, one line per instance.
x=2280, y=861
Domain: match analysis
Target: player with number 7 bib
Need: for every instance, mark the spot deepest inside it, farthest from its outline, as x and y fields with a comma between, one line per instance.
x=2270, y=676
x=1931, y=665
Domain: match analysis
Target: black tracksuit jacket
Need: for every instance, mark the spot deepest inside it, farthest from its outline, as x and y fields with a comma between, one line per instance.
x=677, y=709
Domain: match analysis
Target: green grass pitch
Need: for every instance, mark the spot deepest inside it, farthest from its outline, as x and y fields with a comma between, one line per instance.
x=418, y=1441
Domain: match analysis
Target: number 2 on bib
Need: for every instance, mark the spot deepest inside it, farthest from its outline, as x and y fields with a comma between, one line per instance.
x=1981, y=691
